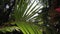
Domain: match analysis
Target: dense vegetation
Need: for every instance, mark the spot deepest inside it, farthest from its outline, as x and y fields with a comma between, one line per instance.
x=29, y=17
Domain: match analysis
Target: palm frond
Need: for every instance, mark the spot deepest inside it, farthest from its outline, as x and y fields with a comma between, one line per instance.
x=21, y=12
x=24, y=11
x=29, y=28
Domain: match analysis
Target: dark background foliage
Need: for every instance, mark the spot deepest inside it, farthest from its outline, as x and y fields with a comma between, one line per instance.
x=7, y=8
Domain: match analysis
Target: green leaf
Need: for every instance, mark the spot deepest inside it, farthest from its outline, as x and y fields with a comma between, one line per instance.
x=28, y=28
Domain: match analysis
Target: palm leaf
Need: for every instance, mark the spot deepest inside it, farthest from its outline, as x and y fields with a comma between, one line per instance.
x=29, y=28
x=23, y=12
x=25, y=27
